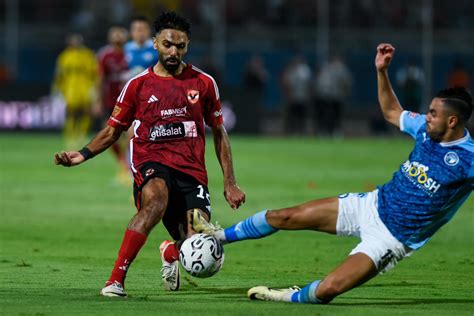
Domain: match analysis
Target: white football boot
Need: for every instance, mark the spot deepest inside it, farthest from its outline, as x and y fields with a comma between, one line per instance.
x=200, y=225
x=169, y=271
x=264, y=293
x=113, y=290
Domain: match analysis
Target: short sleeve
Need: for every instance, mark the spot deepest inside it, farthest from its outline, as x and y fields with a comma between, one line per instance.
x=212, y=109
x=411, y=122
x=124, y=110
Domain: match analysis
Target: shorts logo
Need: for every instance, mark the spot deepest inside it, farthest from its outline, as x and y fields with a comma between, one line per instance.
x=386, y=259
x=451, y=159
x=218, y=113
x=193, y=96
x=413, y=114
x=149, y=172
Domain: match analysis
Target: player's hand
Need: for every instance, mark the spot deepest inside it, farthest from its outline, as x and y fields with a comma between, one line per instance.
x=384, y=56
x=234, y=195
x=68, y=158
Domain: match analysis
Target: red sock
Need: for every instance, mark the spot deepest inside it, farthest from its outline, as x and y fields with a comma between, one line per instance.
x=171, y=253
x=131, y=245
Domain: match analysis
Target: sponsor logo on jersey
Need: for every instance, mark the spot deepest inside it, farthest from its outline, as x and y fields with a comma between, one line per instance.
x=193, y=96
x=174, y=112
x=417, y=173
x=451, y=158
x=167, y=131
x=152, y=99
x=173, y=131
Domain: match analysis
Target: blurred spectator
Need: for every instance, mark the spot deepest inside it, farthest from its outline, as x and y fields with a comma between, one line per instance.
x=459, y=77
x=139, y=52
x=332, y=86
x=410, y=80
x=76, y=79
x=255, y=75
x=112, y=66
x=211, y=68
x=255, y=80
x=296, y=80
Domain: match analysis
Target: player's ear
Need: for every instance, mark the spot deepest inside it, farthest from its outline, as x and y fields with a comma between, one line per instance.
x=453, y=121
x=155, y=42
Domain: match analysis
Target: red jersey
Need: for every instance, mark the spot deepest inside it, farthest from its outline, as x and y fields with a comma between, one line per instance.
x=169, y=115
x=112, y=64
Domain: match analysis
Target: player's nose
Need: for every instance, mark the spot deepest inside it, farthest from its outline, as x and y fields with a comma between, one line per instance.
x=173, y=51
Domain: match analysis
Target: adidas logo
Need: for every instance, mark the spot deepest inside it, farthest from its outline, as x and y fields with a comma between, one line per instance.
x=152, y=99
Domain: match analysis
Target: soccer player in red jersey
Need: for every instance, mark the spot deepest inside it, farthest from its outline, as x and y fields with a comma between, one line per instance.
x=168, y=105
x=112, y=67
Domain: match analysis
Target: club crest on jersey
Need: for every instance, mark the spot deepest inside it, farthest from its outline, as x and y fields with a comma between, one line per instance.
x=193, y=96
x=451, y=158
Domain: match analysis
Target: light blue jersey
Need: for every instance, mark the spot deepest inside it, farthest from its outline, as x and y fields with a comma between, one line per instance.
x=140, y=57
x=428, y=189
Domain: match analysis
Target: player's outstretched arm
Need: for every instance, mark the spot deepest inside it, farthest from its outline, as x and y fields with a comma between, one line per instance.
x=389, y=104
x=232, y=192
x=103, y=140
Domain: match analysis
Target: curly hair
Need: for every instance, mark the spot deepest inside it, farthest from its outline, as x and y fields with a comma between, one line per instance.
x=171, y=20
x=459, y=100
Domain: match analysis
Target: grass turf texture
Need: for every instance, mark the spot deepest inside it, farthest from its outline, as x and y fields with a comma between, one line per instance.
x=60, y=230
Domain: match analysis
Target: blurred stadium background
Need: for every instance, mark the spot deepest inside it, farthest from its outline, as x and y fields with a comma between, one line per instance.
x=431, y=35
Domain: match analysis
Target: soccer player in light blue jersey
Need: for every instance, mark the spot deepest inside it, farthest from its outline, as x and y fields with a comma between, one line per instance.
x=139, y=52
x=392, y=221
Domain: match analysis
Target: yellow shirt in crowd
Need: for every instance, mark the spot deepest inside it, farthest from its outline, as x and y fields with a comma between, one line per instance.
x=76, y=76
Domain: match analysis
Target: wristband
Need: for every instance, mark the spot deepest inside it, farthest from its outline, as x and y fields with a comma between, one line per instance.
x=86, y=153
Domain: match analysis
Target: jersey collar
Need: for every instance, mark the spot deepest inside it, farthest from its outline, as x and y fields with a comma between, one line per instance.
x=466, y=137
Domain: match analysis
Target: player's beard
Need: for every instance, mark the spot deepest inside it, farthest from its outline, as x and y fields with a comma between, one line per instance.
x=436, y=135
x=170, y=67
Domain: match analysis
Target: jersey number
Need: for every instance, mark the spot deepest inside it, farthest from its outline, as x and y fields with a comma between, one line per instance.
x=201, y=194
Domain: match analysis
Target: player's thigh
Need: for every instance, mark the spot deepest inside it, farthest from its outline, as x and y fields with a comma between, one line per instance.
x=154, y=196
x=318, y=215
x=152, y=186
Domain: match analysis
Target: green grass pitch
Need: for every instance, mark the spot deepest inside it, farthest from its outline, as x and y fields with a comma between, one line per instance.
x=60, y=229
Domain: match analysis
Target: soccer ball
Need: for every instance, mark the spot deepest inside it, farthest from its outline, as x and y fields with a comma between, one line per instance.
x=201, y=255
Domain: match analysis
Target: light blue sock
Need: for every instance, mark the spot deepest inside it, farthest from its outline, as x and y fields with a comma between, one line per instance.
x=256, y=226
x=308, y=294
